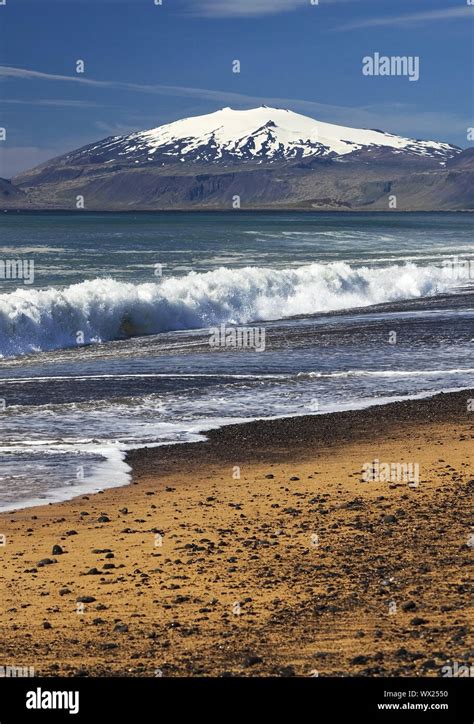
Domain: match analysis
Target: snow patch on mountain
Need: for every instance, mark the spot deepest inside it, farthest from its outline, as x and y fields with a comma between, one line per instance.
x=258, y=134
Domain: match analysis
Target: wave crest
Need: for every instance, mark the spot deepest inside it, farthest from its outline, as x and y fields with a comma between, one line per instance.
x=105, y=309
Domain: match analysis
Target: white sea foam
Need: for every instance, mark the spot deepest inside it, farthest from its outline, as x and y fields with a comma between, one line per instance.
x=386, y=373
x=105, y=309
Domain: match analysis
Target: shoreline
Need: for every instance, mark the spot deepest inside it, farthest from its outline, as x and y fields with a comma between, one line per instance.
x=335, y=427
x=127, y=455
x=207, y=564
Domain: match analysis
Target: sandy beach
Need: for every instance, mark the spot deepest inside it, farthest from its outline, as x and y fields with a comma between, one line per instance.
x=262, y=551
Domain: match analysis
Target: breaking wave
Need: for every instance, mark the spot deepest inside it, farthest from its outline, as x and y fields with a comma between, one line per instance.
x=104, y=309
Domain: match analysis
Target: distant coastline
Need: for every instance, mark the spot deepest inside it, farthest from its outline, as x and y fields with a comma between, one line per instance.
x=157, y=212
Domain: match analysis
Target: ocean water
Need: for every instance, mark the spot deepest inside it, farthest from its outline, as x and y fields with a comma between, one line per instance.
x=105, y=331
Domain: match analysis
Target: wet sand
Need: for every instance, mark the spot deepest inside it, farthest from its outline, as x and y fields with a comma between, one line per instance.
x=261, y=551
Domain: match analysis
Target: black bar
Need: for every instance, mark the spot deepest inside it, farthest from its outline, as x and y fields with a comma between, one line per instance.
x=320, y=699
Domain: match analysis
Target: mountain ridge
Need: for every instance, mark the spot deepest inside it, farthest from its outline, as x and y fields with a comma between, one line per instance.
x=265, y=157
x=260, y=134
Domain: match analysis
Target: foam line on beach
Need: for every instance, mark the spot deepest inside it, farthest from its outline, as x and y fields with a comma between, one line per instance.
x=281, y=377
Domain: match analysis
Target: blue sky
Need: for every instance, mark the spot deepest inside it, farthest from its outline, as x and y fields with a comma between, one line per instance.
x=147, y=64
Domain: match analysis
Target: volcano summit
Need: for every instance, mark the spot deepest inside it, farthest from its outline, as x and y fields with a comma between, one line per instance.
x=266, y=157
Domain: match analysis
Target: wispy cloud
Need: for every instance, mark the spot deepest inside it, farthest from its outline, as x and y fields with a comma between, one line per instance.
x=9, y=71
x=113, y=129
x=249, y=8
x=180, y=91
x=54, y=102
x=245, y=8
x=407, y=19
x=202, y=94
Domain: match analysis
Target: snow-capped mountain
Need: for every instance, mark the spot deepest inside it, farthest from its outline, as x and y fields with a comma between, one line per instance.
x=260, y=134
x=267, y=158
